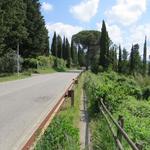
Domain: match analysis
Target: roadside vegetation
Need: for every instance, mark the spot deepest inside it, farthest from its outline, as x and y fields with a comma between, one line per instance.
x=124, y=96
x=63, y=132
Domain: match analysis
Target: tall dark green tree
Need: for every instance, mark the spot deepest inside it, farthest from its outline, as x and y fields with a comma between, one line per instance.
x=149, y=66
x=54, y=45
x=81, y=56
x=113, y=58
x=16, y=23
x=104, y=47
x=125, y=68
x=135, y=60
x=68, y=53
x=37, y=42
x=59, y=46
x=73, y=52
x=120, y=60
x=144, y=57
x=64, y=54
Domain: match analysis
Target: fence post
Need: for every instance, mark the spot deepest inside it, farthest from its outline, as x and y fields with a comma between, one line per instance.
x=121, y=123
x=139, y=146
x=71, y=94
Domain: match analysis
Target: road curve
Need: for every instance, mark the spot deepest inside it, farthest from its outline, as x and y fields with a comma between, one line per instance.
x=25, y=103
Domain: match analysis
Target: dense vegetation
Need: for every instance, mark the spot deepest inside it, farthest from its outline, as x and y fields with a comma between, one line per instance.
x=24, y=37
x=123, y=96
x=63, y=132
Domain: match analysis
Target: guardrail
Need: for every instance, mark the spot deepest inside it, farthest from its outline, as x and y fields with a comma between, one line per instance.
x=120, y=131
x=43, y=126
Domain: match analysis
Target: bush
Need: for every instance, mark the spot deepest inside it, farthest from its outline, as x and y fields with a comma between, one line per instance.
x=120, y=94
x=58, y=138
x=44, y=62
x=146, y=92
x=8, y=63
x=30, y=63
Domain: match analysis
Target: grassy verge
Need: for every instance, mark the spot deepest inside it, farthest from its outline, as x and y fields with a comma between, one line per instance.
x=123, y=96
x=63, y=132
x=11, y=77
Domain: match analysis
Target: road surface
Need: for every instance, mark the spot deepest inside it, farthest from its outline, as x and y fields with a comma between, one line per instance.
x=25, y=103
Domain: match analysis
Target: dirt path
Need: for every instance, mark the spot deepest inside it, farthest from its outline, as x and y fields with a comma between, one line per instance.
x=84, y=124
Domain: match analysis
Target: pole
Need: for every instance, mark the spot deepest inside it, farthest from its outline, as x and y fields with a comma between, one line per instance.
x=18, y=64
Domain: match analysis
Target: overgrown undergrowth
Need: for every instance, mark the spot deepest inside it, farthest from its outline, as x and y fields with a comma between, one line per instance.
x=123, y=96
x=63, y=132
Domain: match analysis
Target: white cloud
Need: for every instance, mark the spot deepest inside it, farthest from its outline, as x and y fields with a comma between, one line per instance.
x=114, y=31
x=127, y=11
x=137, y=35
x=85, y=10
x=63, y=29
x=47, y=6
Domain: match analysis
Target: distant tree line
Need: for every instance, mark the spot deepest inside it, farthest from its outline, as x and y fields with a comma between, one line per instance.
x=101, y=54
x=72, y=53
x=23, y=33
x=129, y=63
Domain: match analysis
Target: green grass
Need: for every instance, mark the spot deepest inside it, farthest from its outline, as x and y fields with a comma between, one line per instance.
x=63, y=132
x=11, y=77
x=123, y=96
x=45, y=70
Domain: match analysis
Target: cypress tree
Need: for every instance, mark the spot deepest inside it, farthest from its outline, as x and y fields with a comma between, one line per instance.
x=64, y=55
x=59, y=46
x=120, y=60
x=135, y=59
x=125, y=68
x=16, y=24
x=113, y=58
x=37, y=42
x=144, y=57
x=68, y=52
x=149, y=66
x=72, y=51
x=54, y=45
x=131, y=60
x=104, y=47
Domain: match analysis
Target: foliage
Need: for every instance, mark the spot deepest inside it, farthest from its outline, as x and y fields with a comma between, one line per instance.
x=8, y=63
x=22, y=24
x=54, y=45
x=135, y=60
x=59, y=135
x=122, y=96
x=104, y=47
x=89, y=41
x=63, y=132
x=44, y=62
x=146, y=92
x=145, y=57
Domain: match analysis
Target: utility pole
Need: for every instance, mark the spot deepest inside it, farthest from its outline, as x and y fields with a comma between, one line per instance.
x=18, y=63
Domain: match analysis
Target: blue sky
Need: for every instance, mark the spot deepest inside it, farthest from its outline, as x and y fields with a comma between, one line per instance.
x=127, y=20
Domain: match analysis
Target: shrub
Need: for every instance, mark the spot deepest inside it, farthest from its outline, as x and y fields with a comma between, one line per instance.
x=8, y=63
x=120, y=94
x=30, y=63
x=60, y=135
x=146, y=92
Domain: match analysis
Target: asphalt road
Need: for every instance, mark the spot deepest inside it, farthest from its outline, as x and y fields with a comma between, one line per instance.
x=25, y=103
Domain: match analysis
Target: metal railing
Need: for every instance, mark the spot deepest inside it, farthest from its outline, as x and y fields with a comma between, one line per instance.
x=120, y=131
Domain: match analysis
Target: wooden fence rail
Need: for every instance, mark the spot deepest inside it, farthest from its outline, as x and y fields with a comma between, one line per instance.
x=119, y=125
